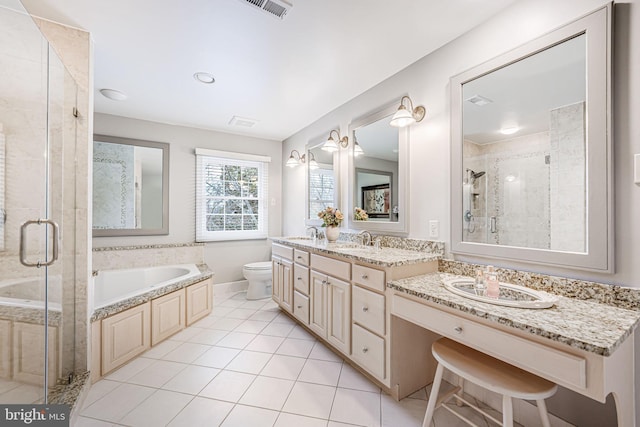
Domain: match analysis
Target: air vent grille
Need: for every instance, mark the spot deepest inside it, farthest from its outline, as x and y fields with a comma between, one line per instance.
x=277, y=8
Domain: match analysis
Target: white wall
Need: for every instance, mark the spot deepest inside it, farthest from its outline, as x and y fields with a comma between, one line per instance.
x=427, y=82
x=225, y=258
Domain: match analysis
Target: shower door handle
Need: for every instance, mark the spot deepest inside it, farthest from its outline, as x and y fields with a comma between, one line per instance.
x=492, y=224
x=23, y=244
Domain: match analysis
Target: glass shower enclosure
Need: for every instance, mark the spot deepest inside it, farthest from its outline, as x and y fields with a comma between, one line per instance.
x=38, y=126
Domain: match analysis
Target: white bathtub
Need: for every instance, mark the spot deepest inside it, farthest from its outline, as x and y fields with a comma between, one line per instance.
x=30, y=293
x=112, y=286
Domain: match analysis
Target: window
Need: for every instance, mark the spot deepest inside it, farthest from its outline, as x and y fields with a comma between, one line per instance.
x=231, y=198
x=321, y=184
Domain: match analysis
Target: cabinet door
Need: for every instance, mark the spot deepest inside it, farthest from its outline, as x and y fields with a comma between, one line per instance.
x=318, y=303
x=199, y=301
x=286, y=298
x=28, y=353
x=339, y=310
x=167, y=316
x=124, y=336
x=276, y=283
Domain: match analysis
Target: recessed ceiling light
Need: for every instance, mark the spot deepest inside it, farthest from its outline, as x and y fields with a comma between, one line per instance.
x=113, y=94
x=509, y=130
x=479, y=100
x=202, y=77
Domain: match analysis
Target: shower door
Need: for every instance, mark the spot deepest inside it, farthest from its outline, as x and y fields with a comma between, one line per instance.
x=37, y=129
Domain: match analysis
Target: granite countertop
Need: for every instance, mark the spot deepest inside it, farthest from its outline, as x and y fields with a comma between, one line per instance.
x=104, y=312
x=584, y=325
x=384, y=257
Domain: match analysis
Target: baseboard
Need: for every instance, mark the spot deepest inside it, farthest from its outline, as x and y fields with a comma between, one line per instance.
x=227, y=288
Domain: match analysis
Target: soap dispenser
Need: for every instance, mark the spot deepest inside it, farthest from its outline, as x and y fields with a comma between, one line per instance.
x=491, y=283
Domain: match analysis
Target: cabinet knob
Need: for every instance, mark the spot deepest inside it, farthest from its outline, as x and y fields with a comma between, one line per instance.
x=299, y=257
x=299, y=278
x=324, y=282
x=365, y=349
x=365, y=276
x=365, y=308
x=299, y=306
x=458, y=329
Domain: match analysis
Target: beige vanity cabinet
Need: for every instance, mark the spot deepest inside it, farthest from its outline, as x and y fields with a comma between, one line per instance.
x=369, y=320
x=282, y=276
x=301, y=286
x=168, y=315
x=330, y=299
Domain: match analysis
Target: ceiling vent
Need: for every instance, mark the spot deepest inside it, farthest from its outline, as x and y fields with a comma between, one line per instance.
x=479, y=100
x=242, y=122
x=277, y=8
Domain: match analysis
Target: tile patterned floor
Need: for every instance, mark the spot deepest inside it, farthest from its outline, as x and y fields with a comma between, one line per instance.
x=248, y=365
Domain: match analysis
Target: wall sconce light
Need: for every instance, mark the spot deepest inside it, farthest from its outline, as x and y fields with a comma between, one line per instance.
x=404, y=117
x=332, y=146
x=312, y=161
x=357, y=149
x=295, y=159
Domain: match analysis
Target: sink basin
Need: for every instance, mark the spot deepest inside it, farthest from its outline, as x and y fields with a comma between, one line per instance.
x=510, y=295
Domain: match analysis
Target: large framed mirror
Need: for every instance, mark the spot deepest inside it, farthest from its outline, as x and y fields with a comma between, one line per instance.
x=531, y=151
x=322, y=179
x=130, y=187
x=378, y=170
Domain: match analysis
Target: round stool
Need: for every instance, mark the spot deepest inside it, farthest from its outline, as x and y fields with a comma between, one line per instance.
x=487, y=372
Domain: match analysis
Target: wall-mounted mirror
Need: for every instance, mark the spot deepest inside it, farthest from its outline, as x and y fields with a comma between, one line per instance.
x=130, y=187
x=531, y=155
x=322, y=179
x=378, y=171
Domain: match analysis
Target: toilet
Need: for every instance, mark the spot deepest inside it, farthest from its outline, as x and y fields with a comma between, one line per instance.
x=259, y=276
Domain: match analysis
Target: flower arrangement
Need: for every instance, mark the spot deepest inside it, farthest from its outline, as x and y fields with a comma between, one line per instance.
x=331, y=217
x=359, y=214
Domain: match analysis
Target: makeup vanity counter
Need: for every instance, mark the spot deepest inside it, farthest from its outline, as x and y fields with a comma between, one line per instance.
x=584, y=346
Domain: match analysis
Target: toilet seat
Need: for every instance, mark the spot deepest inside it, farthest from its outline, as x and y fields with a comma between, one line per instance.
x=263, y=265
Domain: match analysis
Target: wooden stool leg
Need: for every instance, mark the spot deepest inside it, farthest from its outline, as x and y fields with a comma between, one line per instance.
x=544, y=415
x=433, y=398
x=507, y=411
x=459, y=393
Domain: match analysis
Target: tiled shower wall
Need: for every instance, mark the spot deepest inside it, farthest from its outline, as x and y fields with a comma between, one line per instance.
x=533, y=186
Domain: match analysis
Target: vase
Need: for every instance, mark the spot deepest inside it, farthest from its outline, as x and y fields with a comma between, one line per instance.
x=332, y=232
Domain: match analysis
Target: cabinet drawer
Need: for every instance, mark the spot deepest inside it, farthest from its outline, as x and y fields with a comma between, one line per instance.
x=282, y=251
x=534, y=357
x=301, y=278
x=369, y=277
x=301, y=307
x=368, y=351
x=301, y=257
x=368, y=309
x=334, y=267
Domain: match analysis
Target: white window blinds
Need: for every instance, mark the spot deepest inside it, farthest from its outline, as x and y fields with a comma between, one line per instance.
x=231, y=196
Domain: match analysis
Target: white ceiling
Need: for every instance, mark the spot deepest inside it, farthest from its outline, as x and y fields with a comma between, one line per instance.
x=283, y=73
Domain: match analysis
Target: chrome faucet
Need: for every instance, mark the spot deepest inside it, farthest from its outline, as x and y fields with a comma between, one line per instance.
x=366, y=237
x=314, y=232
